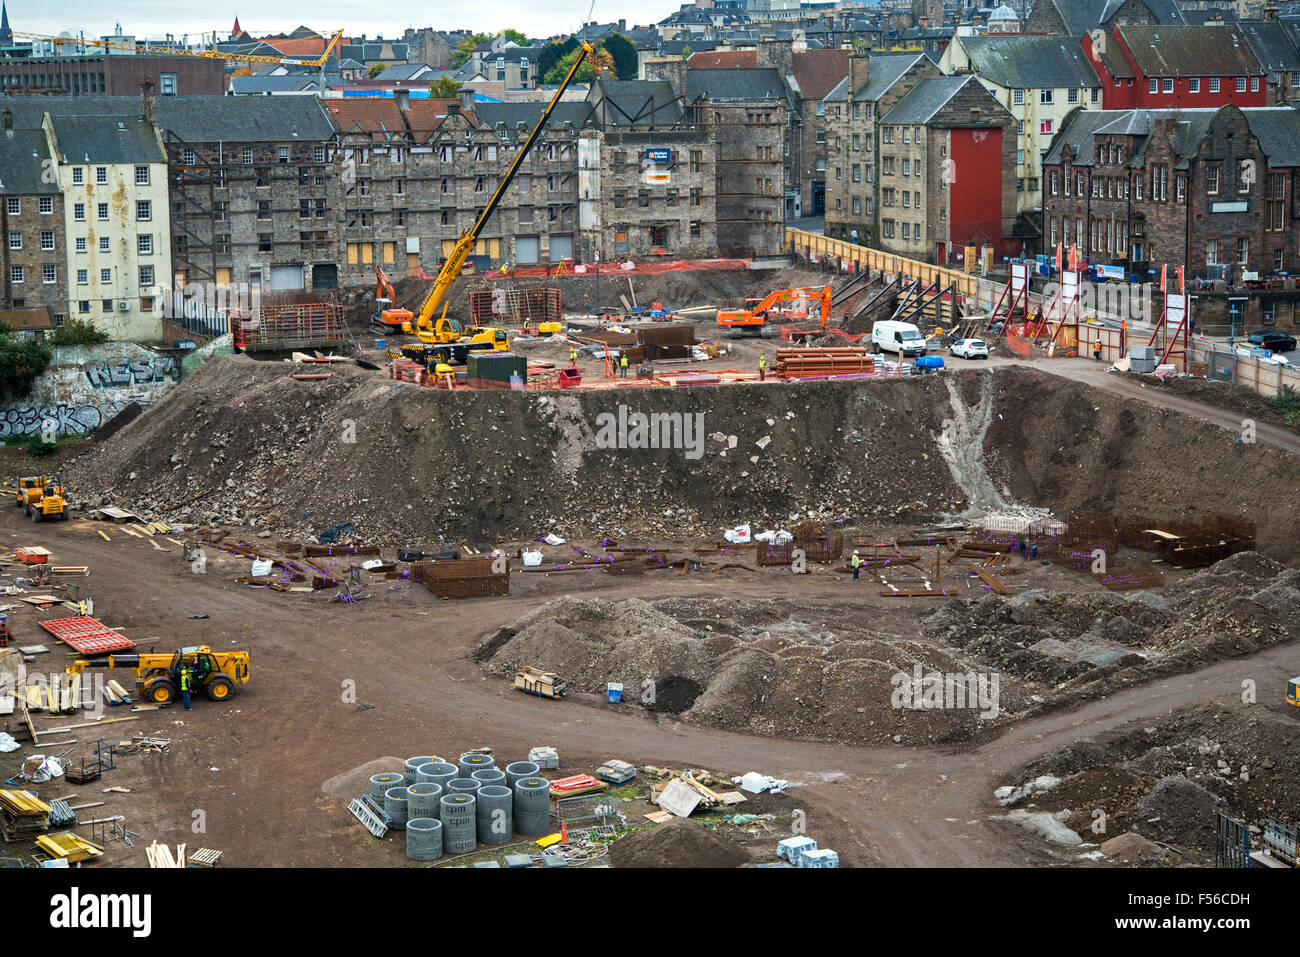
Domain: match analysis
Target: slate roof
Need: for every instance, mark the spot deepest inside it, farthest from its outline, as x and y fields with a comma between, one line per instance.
x=886, y=70
x=22, y=154
x=1190, y=51
x=735, y=84
x=1080, y=16
x=1272, y=45
x=626, y=103
x=1278, y=130
x=926, y=99
x=1030, y=62
x=107, y=139
x=195, y=118
x=723, y=60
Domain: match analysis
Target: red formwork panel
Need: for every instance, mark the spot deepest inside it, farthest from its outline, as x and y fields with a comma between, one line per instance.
x=87, y=635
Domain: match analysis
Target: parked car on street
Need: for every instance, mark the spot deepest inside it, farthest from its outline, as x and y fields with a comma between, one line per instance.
x=969, y=349
x=1272, y=341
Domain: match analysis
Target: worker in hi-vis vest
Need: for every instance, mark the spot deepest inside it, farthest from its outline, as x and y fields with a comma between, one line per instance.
x=573, y=358
x=622, y=366
x=857, y=564
x=762, y=368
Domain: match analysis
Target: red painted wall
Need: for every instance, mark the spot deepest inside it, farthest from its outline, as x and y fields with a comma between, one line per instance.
x=975, y=201
x=1182, y=97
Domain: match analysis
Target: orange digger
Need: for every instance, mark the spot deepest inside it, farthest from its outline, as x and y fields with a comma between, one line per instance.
x=761, y=317
x=385, y=317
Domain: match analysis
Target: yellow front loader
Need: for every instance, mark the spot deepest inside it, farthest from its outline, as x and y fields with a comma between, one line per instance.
x=158, y=676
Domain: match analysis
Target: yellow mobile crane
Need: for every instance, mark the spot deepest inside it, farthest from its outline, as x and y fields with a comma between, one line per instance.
x=444, y=339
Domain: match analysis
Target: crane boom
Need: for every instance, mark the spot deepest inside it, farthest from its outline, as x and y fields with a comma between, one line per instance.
x=213, y=54
x=465, y=243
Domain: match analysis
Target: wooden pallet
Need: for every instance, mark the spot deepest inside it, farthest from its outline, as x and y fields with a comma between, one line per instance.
x=205, y=857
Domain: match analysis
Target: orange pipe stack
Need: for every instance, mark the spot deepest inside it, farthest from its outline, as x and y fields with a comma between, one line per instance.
x=804, y=363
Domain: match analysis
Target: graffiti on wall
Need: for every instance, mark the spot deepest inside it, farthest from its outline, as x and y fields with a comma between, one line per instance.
x=118, y=372
x=60, y=419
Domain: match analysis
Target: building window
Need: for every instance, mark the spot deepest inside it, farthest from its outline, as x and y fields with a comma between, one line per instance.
x=282, y=154
x=1045, y=127
x=247, y=156
x=1154, y=86
x=101, y=211
x=167, y=86
x=146, y=275
x=263, y=242
x=105, y=276
x=1169, y=84
x=697, y=196
x=83, y=306
x=81, y=244
x=188, y=157
x=1254, y=84
x=47, y=240
x=1241, y=84
x=1194, y=85
x=14, y=206
x=1214, y=84
x=658, y=235
x=46, y=204
x=82, y=278
x=1094, y=96
x=1017, y=97
x=1211, y=252
x=78, y=176
x=1243, y=251
x=15, y=274
x=15, y=240
x=1072, y=96
x=318, y=154
x=142, y=176
x=1275, y=215
x=1045, y=96
x=143, y=210
x=101, y=175
x=1244, y=175
x=696, y=230
x=1212, y=180
x=144, y=244
x=106, y=305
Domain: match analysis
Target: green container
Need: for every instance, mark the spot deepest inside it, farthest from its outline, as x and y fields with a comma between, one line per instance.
x=497, y=366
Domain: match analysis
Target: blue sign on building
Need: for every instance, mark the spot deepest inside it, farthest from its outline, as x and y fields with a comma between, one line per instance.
x=659, y=155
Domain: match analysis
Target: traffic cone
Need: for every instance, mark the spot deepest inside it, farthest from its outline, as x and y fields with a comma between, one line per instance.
x=564, y=832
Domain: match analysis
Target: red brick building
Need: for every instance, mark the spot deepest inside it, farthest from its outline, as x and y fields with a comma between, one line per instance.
x=1175, y=67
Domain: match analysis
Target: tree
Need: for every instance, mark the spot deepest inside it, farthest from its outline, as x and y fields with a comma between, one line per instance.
x=686, y=53
x=377, y=69
x=514, y=36
x=599, y=62
x=552, y=53
x=444, y=88
x=78, y=332
x=21, y=362
x=622, y=51
x=465, y=46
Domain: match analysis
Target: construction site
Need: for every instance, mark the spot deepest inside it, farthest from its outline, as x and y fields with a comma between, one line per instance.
x=831, y=559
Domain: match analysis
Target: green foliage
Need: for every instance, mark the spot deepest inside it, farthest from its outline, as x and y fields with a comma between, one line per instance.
x=600, y=60
x=553, y=53
x=464, y=47
x=1287, y=402
x=686, y=53
x=444, y=88
x=514, y=36
x=622, y=51
x=377, y=69
x=40, y=448
x=78, y=332
x=21, y=363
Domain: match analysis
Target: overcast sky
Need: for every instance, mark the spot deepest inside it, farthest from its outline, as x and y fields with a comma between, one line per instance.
x=154, y=18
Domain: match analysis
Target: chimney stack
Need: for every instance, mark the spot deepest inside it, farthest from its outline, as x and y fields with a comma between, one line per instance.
x=403, y=100
x=148, y=106
x=859, y=72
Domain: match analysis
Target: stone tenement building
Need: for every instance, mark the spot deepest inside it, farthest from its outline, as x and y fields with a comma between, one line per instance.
x=1202, y=188
x=874, y=86
x=33, y=252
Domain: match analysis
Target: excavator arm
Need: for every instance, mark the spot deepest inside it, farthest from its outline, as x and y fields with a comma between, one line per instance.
x=437, y=296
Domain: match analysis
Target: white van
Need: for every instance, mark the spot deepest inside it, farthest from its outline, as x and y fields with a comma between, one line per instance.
x=889, y=335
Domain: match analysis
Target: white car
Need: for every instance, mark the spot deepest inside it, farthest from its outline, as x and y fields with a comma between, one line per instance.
x=969, y=349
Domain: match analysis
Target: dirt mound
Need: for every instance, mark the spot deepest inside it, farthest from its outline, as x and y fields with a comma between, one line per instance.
x=356, y=782
x=677, y=843
x=1083, y=644
x=1177, y=811
x=1132, y=848
x=1225, y=395
x=1105, y=789
x=1241, y=757
x=766, y=679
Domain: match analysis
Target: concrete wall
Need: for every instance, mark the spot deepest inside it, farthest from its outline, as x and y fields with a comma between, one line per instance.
x=85, y=386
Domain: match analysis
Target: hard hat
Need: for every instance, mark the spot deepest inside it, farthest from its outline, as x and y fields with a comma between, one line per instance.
x=855, y=551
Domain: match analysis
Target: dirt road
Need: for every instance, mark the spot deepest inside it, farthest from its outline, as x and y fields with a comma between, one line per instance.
x=336, y=686
x=1094, y=374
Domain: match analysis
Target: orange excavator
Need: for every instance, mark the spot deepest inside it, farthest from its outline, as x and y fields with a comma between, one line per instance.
x=385, y=317
x=761, y=317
